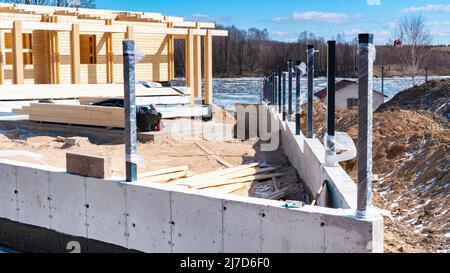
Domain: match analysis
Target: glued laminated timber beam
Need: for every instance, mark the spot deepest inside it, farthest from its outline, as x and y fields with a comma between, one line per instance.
x=93, y=28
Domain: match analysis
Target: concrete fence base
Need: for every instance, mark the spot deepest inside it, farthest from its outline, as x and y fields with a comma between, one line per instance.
x=164, y=218
x=161, y=218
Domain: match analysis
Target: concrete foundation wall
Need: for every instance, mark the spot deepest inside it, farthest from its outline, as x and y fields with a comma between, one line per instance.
x=162, y=218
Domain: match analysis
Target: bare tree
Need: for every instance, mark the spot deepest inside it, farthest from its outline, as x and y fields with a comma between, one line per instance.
x=415, y=38
x=59, y=3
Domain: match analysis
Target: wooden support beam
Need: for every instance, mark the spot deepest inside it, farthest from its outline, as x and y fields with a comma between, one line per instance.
x=54, y=53
x=130, y=33
x=109, y=55
x=198, y=66
x=2, y=76
x=75, y=54
x=207, y=56
x=18, y=68
x=190, y=63
x=171, y=53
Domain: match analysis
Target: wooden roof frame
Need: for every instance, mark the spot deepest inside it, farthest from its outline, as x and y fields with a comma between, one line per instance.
x=99, y=14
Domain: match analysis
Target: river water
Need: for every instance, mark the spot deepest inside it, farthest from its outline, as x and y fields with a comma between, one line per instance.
x=227, y=92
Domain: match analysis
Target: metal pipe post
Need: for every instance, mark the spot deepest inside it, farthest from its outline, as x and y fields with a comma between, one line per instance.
x=280, y=76
x=331, y=106
x=298, y=102
x=284, y=97
x=275, y=87
x=270, y=89
x=310, y=91
x=365, y=115
x=290, y=69
x=129, y=63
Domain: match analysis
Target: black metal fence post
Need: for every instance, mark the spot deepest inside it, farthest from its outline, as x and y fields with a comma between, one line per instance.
x=280, y=76
x=290, y=69
x=331, y=105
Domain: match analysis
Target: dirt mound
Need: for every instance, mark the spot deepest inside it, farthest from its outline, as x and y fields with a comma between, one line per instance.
x=431, y=99
x=411, y=159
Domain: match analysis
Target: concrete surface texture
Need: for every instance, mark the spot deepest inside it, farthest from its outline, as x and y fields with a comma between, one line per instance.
x=164, y=218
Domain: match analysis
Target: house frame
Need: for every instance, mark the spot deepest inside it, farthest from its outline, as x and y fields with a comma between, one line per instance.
x=58, y=45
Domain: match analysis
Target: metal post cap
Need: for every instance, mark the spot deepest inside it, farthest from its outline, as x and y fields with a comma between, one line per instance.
x=365, y=38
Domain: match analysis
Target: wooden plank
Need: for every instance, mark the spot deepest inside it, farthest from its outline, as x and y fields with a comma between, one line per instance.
x=163, y=178
x=214, y=174
x=18, y=68
x=214, y=156
x=70, y=91
x=251, y=178
x=227, y=189
x=163, y=171
x=88, y=165
x=75, y=54
x=207, y=56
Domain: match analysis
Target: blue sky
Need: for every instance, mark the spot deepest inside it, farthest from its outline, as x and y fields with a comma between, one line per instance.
x=285, y=19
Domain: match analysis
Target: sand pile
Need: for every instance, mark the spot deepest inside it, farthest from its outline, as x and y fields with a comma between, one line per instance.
x=411, y=158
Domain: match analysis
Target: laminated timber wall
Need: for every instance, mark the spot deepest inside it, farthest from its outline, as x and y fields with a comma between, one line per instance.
x=154, y=67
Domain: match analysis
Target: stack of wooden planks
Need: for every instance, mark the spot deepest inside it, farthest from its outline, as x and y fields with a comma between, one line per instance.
x=223, y=181
x=74, y=114
x=230, y=179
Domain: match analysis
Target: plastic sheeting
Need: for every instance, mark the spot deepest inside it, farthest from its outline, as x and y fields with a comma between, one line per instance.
x=367, y=55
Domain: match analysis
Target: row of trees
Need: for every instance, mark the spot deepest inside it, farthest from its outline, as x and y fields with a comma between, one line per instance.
x=59, y=3
x=253, y=53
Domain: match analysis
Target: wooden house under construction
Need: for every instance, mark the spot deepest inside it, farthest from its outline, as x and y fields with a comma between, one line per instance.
x=55, y=45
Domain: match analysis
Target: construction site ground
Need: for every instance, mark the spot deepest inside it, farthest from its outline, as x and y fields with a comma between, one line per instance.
x=49, y=149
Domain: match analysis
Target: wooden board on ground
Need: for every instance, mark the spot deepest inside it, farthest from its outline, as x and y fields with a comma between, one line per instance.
x=162, y=172
x=74, y=91
x=88, y=165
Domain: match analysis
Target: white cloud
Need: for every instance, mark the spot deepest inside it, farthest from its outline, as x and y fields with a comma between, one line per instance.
x=284, y=36
x=313, y=16
x=428, y=8
x=374, y=2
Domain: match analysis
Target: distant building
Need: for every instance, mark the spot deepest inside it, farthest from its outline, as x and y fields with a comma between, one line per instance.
x=347, y=95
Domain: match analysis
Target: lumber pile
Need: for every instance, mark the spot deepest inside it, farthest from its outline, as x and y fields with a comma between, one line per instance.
x=74, y=114
x=230, y=179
